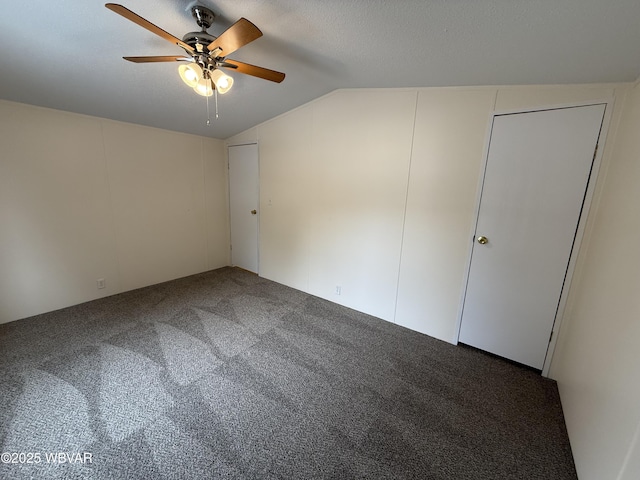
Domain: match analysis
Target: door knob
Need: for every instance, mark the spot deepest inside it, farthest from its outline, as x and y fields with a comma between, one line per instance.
x=253, y=212
x=482, y=240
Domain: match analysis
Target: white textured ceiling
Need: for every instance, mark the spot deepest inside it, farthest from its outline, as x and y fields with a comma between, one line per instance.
x=67, y=54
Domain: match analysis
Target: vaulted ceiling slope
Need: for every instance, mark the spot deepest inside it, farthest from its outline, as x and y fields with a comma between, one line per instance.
x=67, y=54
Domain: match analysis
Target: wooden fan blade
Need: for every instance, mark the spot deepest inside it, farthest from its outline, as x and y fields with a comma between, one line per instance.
x=135, y=18
x=255, y=71
x=165, y=58
x=236, y=36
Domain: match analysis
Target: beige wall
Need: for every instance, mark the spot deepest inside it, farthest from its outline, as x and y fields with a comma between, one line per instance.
x=375, y=191
x=332, y=194
x=448, y=144
x=83, y=198
x=597, y=359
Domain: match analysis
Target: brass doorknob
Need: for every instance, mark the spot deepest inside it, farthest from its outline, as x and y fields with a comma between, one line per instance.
x=482, y=240
x=253, y=212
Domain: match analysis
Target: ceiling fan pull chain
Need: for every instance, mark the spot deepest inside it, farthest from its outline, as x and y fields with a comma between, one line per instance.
x=216, y=90
x=208, y=116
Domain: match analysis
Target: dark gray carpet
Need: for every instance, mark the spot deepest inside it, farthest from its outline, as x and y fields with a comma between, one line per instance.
x=227, y=375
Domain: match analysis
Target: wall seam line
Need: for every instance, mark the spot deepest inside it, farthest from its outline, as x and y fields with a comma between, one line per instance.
x=406, y=202
x=112, y=215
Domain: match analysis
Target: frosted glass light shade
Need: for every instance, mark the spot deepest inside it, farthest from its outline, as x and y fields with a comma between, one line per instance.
x=222, y=81
x=190, y=74
x=204, y=87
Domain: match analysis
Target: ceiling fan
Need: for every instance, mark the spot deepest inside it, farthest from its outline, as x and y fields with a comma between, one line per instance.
x=206, y=55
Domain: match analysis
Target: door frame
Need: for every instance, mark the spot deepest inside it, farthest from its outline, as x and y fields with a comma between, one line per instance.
x=257, y=144
x=582, y=221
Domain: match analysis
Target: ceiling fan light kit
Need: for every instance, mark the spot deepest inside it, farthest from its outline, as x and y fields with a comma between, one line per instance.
x=205, y=81
x=206, y=53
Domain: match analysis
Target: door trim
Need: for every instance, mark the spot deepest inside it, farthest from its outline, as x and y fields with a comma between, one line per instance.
x=593, y=179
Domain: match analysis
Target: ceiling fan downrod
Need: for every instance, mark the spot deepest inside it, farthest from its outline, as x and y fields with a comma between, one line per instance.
x=203, y=16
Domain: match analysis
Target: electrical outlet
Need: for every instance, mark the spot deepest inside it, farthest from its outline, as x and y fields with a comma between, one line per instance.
x=100, y=283
x=338, y=289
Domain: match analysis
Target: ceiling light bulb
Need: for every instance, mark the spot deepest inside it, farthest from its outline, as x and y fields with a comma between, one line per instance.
x=190, y=73
x=222, y=81
x=204, y=87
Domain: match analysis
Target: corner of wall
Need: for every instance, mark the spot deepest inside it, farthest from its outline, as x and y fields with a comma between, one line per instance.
x=620, y=95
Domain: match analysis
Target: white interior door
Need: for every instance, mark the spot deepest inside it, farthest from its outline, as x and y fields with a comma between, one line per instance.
x=243, y=205
x=537, y=171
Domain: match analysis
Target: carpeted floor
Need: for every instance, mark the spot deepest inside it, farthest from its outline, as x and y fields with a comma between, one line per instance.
x=227, y=375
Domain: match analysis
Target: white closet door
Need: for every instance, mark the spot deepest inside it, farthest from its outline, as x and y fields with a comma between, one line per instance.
x=243, y=203
x=537, y=171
